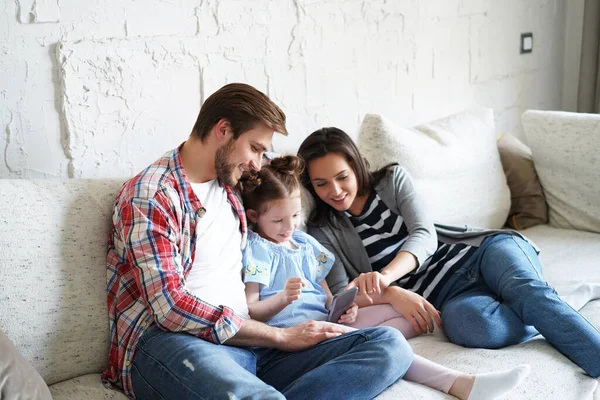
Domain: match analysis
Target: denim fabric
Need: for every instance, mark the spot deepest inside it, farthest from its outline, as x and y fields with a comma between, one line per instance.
x=356, y=365
x=499, y=298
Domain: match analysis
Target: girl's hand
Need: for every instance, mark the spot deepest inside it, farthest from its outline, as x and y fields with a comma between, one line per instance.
x=419, y=312
x=292, y=290
x=369, y=283
x=349, y=317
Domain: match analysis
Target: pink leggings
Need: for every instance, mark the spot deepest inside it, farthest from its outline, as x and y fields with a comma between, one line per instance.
x=421, y=370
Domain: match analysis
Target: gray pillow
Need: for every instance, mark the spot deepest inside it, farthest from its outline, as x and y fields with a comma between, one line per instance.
x=18, y=379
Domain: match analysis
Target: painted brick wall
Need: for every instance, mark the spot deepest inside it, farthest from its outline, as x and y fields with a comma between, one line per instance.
x=100, y=88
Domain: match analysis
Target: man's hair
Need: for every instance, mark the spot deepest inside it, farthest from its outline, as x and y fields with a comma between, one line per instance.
x=243, y=106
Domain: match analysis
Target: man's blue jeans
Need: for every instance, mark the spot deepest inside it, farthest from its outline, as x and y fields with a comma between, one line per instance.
x=499, y=298
x=356, y=365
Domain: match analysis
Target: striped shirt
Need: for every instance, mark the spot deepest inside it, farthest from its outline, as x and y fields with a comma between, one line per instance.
x=383, y=233
x=151, y=250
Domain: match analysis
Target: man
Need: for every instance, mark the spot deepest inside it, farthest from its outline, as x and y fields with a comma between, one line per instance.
x=179, y=325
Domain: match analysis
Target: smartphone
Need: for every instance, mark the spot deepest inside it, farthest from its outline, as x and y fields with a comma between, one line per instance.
x=341, y=303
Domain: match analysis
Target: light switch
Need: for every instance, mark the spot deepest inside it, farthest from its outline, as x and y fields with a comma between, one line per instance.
x=526, y=42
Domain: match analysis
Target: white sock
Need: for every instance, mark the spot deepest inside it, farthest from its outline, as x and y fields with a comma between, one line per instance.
x=579, y=297
x=494, y=384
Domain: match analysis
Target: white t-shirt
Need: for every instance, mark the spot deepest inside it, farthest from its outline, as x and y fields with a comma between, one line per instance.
x=216, y=275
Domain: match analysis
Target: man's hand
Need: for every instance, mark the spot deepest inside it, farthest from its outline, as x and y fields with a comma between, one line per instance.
x=308, y=334
x=369, y=283
x=292, y=290
x=349, y=317
x=418, y=311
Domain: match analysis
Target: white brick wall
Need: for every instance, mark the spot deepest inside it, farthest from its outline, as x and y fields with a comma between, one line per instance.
x=99, y=88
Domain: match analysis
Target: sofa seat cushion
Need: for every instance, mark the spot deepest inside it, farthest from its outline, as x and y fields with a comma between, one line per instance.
x=569, y=258
x=86, y=387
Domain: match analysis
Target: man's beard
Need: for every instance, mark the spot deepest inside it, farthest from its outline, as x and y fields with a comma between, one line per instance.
x=222, y=166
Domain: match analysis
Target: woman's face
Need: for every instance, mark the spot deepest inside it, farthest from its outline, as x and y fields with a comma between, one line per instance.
x=334, y=180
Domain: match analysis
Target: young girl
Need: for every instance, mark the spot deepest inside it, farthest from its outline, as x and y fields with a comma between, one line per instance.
x=487, y=284
x=285, y=270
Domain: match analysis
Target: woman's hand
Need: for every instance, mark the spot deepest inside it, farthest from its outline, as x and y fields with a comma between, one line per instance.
x=418, y=311
x=349, y=317
x=369, y=283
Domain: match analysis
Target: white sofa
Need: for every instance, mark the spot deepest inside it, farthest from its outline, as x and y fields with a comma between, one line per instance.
x=53, y=237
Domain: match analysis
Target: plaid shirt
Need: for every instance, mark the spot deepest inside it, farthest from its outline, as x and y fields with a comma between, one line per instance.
x=151, y=249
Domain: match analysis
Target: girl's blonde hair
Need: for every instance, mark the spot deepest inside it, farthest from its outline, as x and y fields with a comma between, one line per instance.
x=277, y=180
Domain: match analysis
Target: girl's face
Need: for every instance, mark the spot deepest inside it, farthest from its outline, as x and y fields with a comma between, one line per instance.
x=280, y=220
x=334, y=180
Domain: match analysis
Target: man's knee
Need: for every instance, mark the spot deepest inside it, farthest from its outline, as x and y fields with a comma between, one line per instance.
x=394, y=352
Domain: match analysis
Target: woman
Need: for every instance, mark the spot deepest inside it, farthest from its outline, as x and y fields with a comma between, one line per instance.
x=487, y=284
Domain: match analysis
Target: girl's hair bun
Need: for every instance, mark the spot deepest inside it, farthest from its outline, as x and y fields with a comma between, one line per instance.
x=290, y=165
x=249, y=181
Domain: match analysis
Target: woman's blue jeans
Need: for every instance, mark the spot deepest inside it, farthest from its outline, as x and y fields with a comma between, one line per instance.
x=499, y=298
x=356, y=365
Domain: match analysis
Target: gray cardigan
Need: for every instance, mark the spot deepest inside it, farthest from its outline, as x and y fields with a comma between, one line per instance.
x=398, y=194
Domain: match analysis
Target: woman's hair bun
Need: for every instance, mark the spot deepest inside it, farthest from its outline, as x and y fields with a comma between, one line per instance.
x=290, y=165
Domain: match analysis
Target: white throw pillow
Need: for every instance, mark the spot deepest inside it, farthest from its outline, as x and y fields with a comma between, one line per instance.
x=454, y=163
x=565, y=148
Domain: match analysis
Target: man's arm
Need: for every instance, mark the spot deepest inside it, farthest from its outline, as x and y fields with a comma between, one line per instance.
x=297, y=338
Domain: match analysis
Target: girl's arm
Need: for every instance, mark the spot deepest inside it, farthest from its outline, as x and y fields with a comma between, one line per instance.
x=264, y=310
x=325, y=286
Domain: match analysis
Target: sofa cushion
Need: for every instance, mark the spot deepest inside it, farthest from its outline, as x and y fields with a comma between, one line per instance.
x=53, y=241
x=88, y=387
x=565, y=152
x=18, y=379
x=527, y=202
x=568, y=258
x=454, y=162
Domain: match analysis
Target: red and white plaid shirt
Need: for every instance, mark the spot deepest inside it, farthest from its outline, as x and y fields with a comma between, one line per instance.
x=151, y=249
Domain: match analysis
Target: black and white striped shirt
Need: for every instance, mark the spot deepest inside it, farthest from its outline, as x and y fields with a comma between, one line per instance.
x=383, y=233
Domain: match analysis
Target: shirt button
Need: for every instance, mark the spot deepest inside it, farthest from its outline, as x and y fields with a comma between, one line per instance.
x=127, y=363
x=201, y=212
x=144, y=324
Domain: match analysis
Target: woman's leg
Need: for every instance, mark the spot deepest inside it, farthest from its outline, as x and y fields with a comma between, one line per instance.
x=476, y=318
x=511, y=269
x=435, y=376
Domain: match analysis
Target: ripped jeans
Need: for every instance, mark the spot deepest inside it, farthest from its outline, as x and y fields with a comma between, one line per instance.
x=356, y=365
x=499, y=298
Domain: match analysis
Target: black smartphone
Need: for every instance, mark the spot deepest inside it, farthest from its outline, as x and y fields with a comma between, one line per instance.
x=341, y=303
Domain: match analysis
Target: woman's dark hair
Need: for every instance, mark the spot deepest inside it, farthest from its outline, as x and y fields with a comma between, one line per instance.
x=275, y=181
x=333, y=140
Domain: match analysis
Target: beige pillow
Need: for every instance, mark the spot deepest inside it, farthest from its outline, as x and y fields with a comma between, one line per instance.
x=454, y=163
x=528, y=203
x=565, y=149
x=18, y=379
